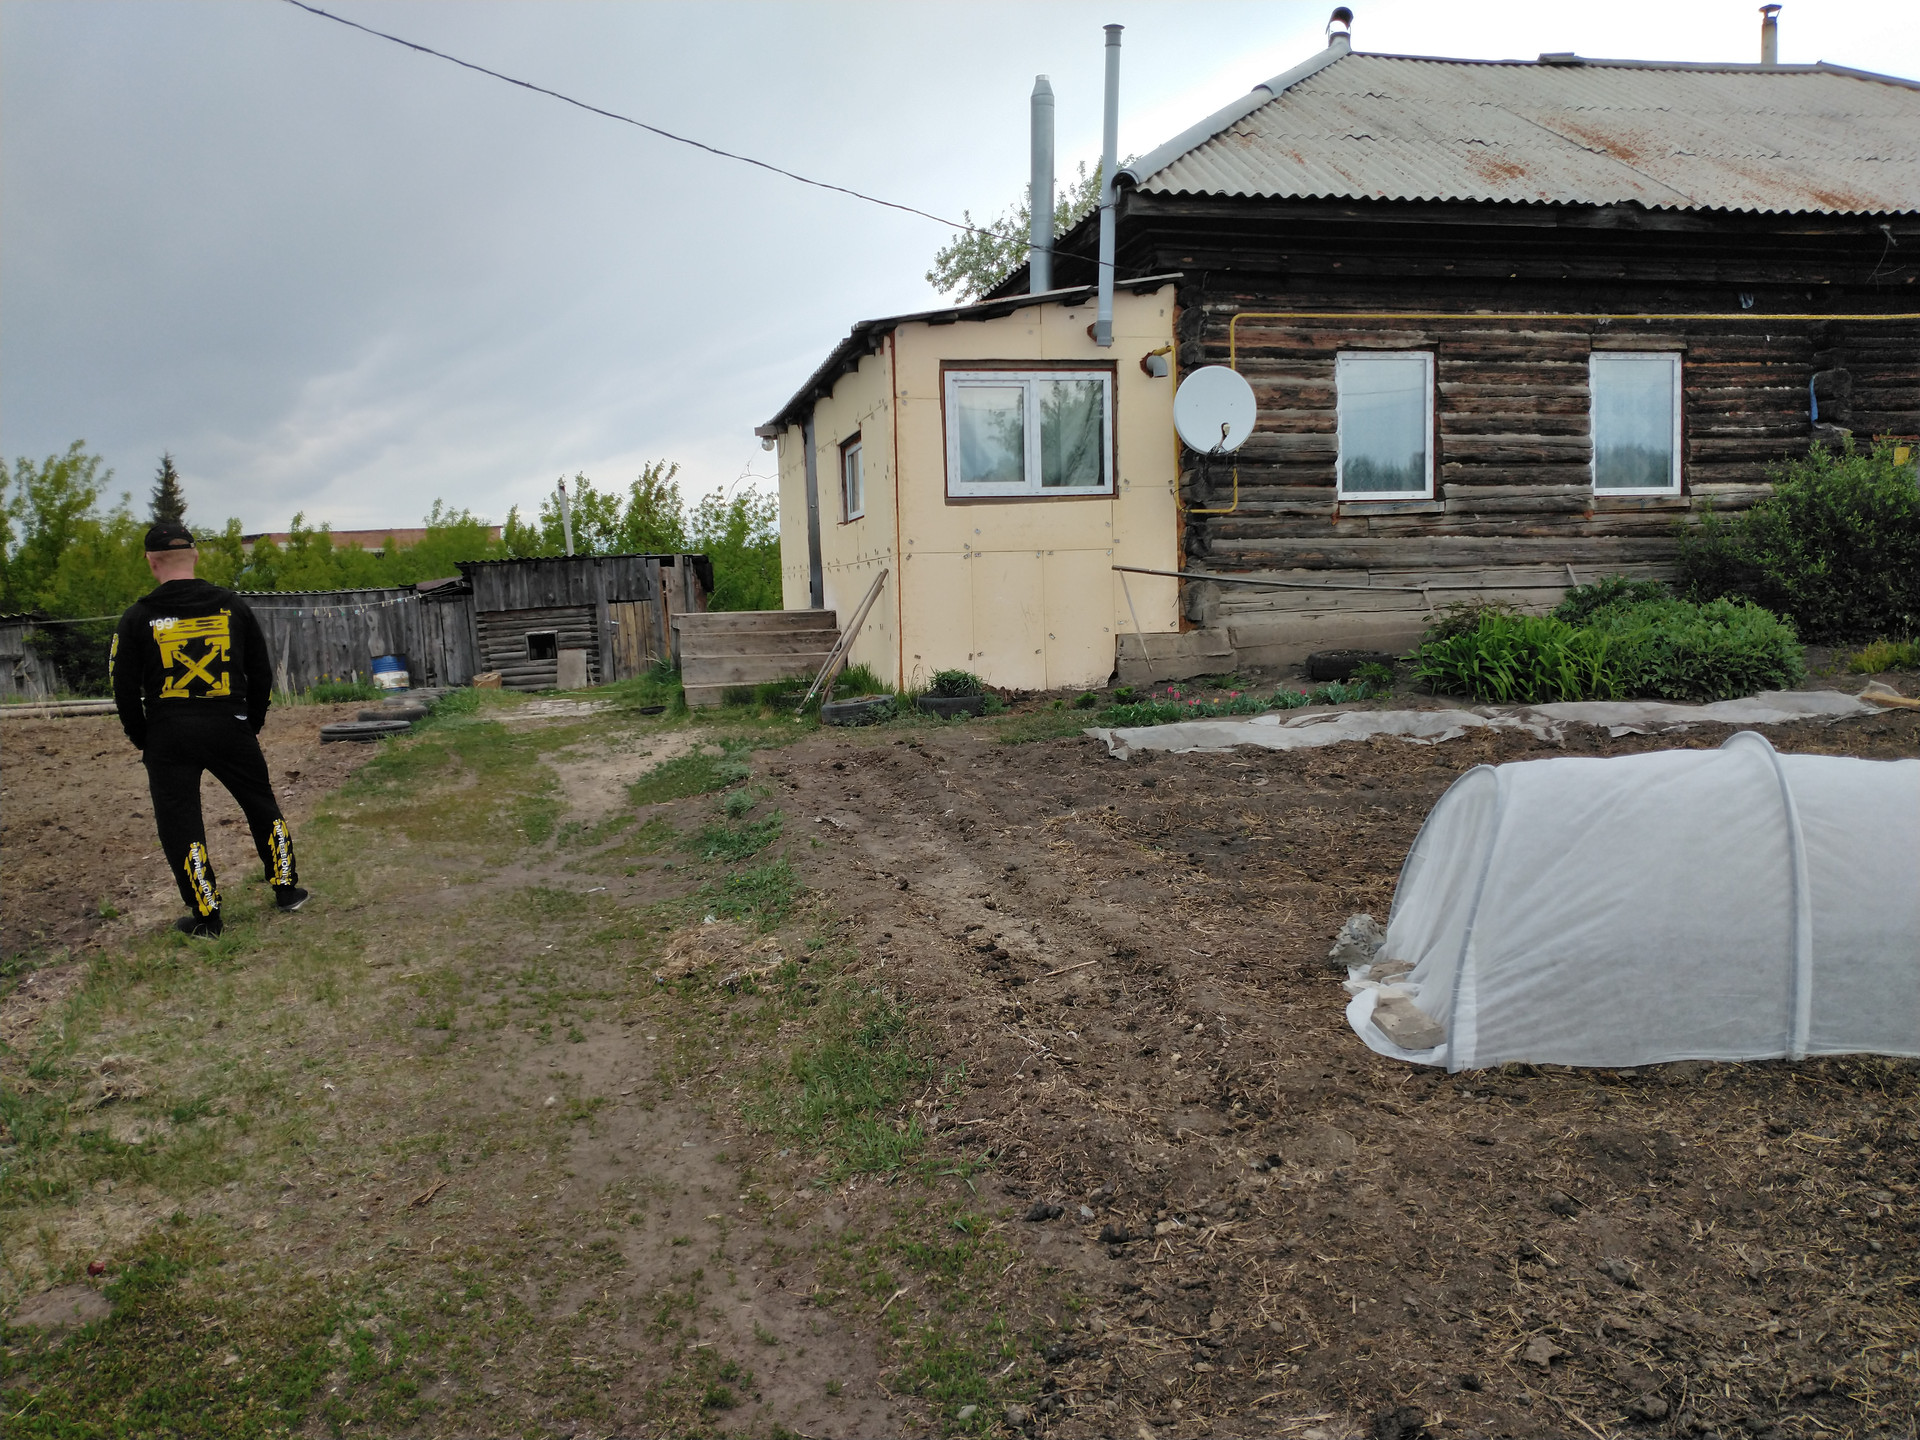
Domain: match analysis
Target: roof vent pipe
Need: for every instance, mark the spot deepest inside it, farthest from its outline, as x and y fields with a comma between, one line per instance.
x=1109, y=162
x=1040, y=191
x=1769, y=34
x=1340, y=29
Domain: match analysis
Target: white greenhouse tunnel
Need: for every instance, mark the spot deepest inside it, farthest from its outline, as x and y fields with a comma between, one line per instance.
x=1729, y=904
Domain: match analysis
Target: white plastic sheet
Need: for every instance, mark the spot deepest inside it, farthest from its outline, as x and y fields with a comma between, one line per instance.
x=1305, y=729
x=1729, y=904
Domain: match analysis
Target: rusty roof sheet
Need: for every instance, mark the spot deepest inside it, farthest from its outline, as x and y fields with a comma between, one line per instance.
x=1787, y=139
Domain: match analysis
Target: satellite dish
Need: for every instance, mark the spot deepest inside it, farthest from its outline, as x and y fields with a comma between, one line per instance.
x=1214, y=410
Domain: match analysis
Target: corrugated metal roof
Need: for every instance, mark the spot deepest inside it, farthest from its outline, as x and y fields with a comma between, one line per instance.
x=1791, y=139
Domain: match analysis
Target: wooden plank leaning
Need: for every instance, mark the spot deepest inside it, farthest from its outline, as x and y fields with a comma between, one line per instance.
x=837, y=657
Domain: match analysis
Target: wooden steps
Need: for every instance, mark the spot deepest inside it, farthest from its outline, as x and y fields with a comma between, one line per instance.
x=722, y=650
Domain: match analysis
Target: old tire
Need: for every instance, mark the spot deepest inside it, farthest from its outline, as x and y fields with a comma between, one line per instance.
x=363, y=730
x=395, y=712
x=948, y=706
x=861, y=710
x=1340, y=664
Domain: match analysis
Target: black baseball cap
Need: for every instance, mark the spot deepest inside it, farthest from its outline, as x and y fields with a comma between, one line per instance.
x=169, y=535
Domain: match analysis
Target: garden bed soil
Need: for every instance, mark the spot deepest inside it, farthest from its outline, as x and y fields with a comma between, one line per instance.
x=1126, y=959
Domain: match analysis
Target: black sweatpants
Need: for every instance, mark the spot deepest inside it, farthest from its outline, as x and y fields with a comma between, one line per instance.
x=180, y=746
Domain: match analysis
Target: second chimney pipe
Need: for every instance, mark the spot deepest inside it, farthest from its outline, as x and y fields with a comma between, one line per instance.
x=1109, y=144
x=1769, y=34
x=1040, y=192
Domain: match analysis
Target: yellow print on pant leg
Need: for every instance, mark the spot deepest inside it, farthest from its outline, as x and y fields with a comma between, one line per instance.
x=199, y=872
x=184, y=671
x=280, y=843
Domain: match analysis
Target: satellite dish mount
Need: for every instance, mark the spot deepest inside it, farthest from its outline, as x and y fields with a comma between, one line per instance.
x=1213, y=412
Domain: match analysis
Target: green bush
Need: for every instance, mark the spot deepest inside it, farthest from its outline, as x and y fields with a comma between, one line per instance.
x=857, y=680
x=1835, y=548
x=1518, y=660
x=1582, y=600
x=1886, y=655
x=1717, y=651
x=957, y=684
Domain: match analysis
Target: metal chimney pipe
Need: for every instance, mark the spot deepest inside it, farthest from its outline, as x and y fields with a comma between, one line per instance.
x=566, y=517
x=1769, y=34
x=1109, y=161
x=1340, y=30
x=1040, y=192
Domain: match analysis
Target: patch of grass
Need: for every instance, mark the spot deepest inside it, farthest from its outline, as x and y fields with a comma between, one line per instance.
x=341, y=692
x=154, y=1367
x=684, y=775
x=1039, y=725
x=1519, y=660
x=863, y=1056
x=1885, y=655
x=739, y=841
x=764, y=895
x=858, y=680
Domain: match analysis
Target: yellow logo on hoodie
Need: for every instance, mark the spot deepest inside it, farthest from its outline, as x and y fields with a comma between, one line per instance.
x=185, y=671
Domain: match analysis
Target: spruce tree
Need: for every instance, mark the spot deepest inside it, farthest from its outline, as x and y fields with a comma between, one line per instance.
x=169, y=501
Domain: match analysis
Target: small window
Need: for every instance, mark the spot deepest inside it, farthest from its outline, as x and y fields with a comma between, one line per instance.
x=1385, y=401
x=1636, y=423
x=542, y=645
x=853, y=491
x=1038, y=433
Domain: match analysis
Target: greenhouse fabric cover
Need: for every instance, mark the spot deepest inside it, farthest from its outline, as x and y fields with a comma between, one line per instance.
x=1308, y=729
x=1728, y=904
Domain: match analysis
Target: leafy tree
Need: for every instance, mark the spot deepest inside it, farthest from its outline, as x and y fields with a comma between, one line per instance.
x=49, y=504
x=648, y=520
x=169, y=501
x=974, y=261
x=742, y=538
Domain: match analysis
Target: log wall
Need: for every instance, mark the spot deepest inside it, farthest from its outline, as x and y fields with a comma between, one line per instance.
x=503, y=644
x=1513, y=515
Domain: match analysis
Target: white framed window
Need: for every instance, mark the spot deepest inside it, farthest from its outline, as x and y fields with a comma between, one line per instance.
x=1635, y=409
x=1385, y=402
x=853, y=487
x=1029, y=433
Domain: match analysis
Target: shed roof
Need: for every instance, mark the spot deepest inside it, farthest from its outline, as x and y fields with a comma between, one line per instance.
x=1785, y=139
x=866, y=335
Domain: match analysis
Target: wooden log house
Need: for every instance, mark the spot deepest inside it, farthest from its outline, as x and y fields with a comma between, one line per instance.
x=1511, y=324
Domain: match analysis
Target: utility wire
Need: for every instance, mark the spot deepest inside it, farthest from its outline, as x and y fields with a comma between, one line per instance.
x=641, y=124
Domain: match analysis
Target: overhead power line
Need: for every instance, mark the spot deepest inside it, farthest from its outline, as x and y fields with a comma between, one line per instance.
x=641, y=124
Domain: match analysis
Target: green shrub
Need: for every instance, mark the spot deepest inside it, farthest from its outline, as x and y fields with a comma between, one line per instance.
x=1886, y=655
x=957, y=684
x=1086, y=700
x=1375, y=676
x=1518, y=660
x=1835, y=548
x=1582, y=600
x=1463, y=617
x=1717, y=651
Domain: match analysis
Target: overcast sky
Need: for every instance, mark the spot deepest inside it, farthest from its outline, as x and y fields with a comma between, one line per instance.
x=333, y=275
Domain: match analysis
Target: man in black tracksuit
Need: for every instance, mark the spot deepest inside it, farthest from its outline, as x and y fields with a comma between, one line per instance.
x=192, y=682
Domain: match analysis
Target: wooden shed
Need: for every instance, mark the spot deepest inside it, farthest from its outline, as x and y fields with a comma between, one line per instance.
x=335, y=634
x=565, y=621
x=25, y=674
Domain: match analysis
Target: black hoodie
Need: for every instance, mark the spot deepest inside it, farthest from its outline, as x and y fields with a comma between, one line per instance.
x=194, y=645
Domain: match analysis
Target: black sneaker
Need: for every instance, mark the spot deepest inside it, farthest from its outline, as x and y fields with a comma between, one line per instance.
x=288, y=897
x=197, y=928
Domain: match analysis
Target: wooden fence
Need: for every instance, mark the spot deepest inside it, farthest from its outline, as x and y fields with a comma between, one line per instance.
x=335, y=635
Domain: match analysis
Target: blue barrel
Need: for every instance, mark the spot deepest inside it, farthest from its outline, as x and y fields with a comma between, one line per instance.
x=390, y=672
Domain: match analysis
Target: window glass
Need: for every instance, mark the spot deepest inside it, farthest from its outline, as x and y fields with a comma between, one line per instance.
x=1635, y=407
x=1040, y=432
x=1071, y=433
x=852, y=483
x=1386, y=423
x=991, y=421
